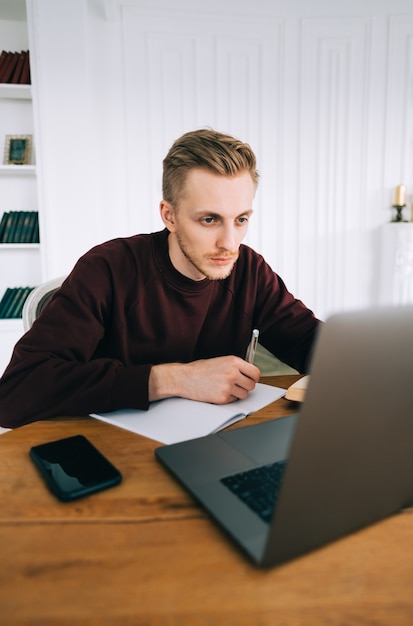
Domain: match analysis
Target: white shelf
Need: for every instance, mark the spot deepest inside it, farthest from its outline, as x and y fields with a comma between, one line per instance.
x=19, y=246
x=15, y=92
x=17, y=170
x=15, y=325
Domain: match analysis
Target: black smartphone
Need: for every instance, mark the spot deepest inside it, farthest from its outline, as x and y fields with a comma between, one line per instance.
x=73, y=467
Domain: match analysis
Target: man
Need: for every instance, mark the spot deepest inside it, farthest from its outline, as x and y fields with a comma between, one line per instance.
x=163, y=314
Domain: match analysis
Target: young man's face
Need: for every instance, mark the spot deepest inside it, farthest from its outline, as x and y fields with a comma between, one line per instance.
x=209, y=223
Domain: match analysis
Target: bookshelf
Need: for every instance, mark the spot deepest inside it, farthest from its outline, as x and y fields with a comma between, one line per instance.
x=20, y=263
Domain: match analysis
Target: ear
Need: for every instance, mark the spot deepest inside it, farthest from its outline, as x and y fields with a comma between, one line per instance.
x=167, y=215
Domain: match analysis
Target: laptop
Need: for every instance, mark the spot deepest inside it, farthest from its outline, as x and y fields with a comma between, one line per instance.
x=344, y=461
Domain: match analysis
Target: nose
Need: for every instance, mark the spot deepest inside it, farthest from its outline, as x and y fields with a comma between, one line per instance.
x=227, y=238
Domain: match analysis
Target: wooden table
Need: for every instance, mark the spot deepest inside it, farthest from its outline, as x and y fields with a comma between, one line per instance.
x=144, y=553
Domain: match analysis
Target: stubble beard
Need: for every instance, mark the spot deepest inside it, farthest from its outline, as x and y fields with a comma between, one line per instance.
x=203, y=270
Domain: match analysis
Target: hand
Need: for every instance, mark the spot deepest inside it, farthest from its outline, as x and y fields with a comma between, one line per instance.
x=220, y=380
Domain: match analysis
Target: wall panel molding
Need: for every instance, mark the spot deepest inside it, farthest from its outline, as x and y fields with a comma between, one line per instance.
x=322, y=91
x=299, y=90
x=335, y=65
x=184, y=72
x=399, y=121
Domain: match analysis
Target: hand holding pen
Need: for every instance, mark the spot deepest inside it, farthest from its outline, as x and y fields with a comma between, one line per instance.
x=229, y=378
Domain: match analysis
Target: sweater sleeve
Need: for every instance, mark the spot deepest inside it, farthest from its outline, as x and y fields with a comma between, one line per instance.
x=56, y=370
x=288, y=329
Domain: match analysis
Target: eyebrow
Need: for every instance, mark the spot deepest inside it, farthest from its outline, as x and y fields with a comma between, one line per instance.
x=218, y=215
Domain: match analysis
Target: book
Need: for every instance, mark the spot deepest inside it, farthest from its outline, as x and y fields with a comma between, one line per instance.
x=25, y=75
x=4, y=302
x=296, y=391
x=11, y=305
x=9, y=67
x=6, y=314
x=34, y=232
x=6, y=59
x=3, y=225
x=3, y=58
x=26, y=227
x=19, y=227
x=17, y=234
x=15, y=67
x=8, y=228
x=15, y=311
x=177, y=419
x=15, y=78
x=23, y=297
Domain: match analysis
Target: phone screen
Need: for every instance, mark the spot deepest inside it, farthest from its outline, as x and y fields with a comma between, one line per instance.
x=73, y=467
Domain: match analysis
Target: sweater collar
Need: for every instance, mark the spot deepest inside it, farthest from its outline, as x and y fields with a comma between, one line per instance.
x=161, y=252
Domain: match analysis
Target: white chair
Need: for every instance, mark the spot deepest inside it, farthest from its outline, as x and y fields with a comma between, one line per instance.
x=33, y=306
x=37, y=300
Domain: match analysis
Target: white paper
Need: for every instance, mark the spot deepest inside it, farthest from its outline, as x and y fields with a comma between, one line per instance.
x=176, y=419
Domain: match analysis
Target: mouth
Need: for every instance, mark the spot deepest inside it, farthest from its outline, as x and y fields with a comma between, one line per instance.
x=223, y=261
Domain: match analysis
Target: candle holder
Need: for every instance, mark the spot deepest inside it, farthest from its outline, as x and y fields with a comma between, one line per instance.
x=399, y=213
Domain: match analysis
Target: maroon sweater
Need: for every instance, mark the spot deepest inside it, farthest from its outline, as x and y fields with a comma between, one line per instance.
x=124, y=308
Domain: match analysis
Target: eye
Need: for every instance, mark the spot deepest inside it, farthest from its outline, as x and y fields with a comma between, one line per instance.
x=243, y=220
x=208, y=220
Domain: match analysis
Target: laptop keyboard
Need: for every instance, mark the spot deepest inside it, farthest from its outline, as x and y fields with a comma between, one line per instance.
x=258, y=487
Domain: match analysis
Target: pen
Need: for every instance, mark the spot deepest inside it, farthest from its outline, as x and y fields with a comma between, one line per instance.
x=252, y=346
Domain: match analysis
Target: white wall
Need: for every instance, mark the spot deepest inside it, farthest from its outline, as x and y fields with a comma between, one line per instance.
x=321, y=90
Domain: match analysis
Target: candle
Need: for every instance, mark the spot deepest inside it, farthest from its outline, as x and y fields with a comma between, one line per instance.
x=400, y=196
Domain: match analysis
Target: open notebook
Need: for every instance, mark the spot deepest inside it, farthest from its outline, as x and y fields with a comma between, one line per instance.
x=176, y=419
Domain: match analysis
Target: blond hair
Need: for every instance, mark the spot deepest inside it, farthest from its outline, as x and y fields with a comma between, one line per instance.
x=208, y=149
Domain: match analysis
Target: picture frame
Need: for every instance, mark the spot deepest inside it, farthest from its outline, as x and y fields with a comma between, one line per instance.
x=18, y=150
